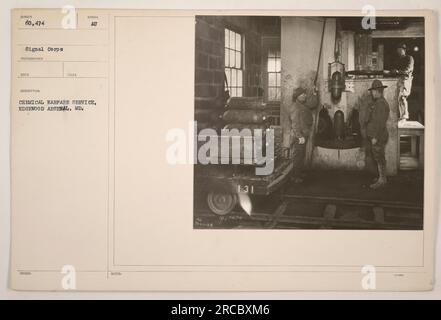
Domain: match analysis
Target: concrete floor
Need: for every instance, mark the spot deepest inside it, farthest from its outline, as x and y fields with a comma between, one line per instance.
x=406, y=187
x=309, y=200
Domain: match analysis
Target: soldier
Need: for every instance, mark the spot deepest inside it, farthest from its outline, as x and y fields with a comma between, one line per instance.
x=376, y=132
x=301, y=126
x=404, y=68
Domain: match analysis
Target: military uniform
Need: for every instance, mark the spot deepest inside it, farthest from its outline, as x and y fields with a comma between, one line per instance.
x=376, y=128
x=405, y=65
x=301, y=126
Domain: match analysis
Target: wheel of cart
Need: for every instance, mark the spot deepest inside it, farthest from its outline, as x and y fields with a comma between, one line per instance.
x=221, y=202
x=223, y=191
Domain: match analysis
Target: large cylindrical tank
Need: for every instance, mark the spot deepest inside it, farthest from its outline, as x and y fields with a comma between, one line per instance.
x=246, y=103
x=324, y=127
x=339, y=124
x=355, y=123
x=208, y=115
x=337, y=85
x=244, y=116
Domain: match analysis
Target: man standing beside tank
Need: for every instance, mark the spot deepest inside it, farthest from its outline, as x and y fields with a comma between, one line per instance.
x=404, y=68
x=376, y=132
x=301, y=125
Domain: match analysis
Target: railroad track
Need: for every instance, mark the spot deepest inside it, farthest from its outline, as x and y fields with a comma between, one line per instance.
x=312, y=212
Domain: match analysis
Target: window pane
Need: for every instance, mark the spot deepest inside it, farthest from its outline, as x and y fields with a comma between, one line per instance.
x=239, y=78
x=271, y=65
x=227, y=37
x=227, y=74
x=271, y=93
x=238, y=42
x=238, y=62
x=278, y=76
x=272, y=80
x=278, y=65
x=271, y=53
x=231, y=54
x=277, y=94
x=227, y=58
x=233, y=78
x=233, y=92
x=232, y=39
x=232, y=59
x=239, y=92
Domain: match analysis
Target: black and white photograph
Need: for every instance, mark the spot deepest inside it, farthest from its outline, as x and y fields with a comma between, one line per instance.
x=309, y=122
x=226, y=152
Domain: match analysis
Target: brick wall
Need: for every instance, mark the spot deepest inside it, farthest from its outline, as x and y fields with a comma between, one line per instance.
x=253, y=59
x=209, y=55
x=209, y=58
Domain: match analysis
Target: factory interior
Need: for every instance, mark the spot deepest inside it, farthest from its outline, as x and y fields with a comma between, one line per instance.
x=257, y=62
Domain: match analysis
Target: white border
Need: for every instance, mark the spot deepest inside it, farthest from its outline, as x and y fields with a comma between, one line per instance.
x=5, y=7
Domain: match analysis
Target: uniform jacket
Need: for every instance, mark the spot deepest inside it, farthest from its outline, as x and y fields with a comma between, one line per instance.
x=376, y=120
x=301, y=117
x=405, y=65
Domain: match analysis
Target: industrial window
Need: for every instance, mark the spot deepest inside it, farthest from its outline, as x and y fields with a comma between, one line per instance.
x=274, y=75
x=234, y=62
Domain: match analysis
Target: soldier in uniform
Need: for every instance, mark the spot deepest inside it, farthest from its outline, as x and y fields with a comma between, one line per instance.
x=376, y=131
x=404, y=68
x=301, y=125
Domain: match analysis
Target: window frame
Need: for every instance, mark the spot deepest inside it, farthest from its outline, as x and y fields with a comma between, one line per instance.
x=269, y=42
x=233, y=68
x=277, y=72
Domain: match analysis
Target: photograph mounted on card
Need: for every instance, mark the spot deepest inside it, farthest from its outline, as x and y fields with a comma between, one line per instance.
x=242, y=151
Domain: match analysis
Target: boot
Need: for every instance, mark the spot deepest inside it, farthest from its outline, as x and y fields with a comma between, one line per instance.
x=402, y=121
x=382, y=180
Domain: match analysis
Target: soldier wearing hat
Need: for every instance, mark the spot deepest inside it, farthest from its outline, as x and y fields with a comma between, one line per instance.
x=376, y=131
x=301, y=126
x=404, y=68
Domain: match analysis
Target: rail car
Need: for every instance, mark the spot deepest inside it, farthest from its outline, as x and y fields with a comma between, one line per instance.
x=232, y=175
